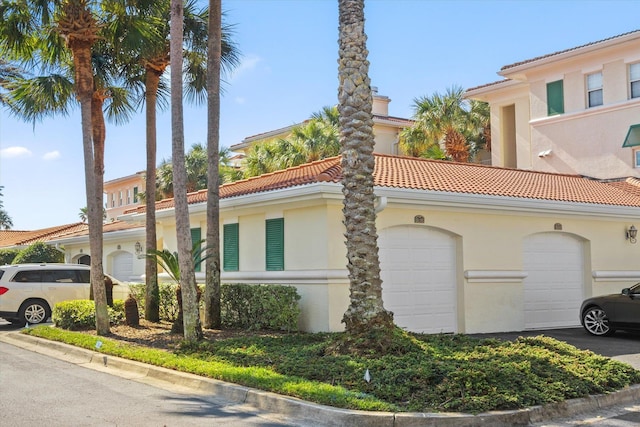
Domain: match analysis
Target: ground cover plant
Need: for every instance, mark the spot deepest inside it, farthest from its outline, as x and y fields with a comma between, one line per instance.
x=423, y=373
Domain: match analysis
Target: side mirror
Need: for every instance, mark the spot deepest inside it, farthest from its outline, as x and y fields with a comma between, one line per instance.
x=626, y=291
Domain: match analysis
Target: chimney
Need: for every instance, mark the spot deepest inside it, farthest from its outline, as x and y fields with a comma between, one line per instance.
x=380, y=103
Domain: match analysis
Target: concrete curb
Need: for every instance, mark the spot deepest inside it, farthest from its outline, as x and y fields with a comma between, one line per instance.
x=314, y=413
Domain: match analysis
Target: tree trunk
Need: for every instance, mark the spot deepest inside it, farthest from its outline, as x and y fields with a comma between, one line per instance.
x=192, y=327
x=366, y=311
x=152, y=292
x=77, y=24
x=212, y=315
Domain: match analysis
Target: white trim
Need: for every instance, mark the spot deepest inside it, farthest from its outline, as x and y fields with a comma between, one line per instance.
x=600, y=109
x=287, y=276
x=495, y=276
x=615, y=275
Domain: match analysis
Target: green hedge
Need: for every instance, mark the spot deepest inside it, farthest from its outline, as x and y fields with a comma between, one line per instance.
x=8, y=255
x=38, y=252
x=242, y=306
x=260, y=306
x=81, y=314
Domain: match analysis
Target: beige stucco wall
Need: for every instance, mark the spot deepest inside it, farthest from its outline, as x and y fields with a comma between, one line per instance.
x=585, y=141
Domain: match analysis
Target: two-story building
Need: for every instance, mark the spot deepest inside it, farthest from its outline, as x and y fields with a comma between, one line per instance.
x=576, y=111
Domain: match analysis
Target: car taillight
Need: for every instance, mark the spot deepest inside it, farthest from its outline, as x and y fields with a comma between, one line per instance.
x=3, y=290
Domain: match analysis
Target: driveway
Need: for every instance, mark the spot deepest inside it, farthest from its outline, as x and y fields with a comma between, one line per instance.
x=622, y=346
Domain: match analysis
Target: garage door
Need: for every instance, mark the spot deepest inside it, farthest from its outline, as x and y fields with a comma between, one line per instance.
x=553, y=289
x=123, y=266
x=419, y=278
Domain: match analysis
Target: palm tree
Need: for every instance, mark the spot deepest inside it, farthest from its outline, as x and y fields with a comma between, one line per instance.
x=316, y=139
x=458, y=125
x=366, y=311
x=147, y=66
x=192, y=327
x=50, y=32
x=212, y=313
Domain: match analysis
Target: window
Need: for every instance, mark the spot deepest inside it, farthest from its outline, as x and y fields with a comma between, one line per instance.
x=555, y=98
x=274, y=244
x=135, y=194
x=231, y=248
x=634, y=80
x=128, y=196
x=636, y=156
x=196, y=236
x=594, y=90
x=119, y=198
x=113, y=200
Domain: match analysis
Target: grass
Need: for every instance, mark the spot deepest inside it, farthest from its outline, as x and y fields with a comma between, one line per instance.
x=423, y=373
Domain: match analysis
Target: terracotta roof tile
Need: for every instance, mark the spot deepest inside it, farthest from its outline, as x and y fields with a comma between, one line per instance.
x=22, y=238
x=442, y=176
x=506, y=67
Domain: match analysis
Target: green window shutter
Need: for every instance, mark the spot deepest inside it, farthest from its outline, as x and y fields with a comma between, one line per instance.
x=196, y=236
x=135, y=194
x=275, y=244
x=231, y=252
x=555, y=98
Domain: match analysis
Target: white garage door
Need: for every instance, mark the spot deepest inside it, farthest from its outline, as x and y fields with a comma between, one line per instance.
x=419, y=278
x=123, y=266
x=553, y=289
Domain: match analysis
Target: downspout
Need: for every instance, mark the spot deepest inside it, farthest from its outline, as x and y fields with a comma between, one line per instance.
x=381, y=204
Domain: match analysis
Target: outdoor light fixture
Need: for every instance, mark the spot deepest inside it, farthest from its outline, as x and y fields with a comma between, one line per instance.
x=138, y=248
x=632, y=233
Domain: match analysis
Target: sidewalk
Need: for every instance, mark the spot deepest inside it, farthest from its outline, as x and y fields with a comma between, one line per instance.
x=314, y=414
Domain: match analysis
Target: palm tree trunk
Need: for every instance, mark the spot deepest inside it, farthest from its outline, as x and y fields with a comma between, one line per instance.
x=152, y=292
x=191, y=321
x=366, y=311
x=79, y=26
x=212, y=315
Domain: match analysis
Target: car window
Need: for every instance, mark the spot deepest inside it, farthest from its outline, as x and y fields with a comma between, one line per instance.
x=1, y=273
x=28, y=276
x=60, y=276
x=84, y=276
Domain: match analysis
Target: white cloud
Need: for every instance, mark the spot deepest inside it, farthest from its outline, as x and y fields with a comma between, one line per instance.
x=13, y=152
x=51, y=155
x=248, y=63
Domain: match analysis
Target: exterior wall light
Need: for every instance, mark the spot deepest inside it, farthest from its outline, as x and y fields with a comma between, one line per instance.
x=632, y=233
x=138, y=248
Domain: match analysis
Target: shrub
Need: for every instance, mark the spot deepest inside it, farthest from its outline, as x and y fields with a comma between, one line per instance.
x=168, y=301
x=38, y=252
x=260, y=306
x=8, y=255
x=81, y=314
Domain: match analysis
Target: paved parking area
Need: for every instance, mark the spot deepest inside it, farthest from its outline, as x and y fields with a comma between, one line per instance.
x=623, y=346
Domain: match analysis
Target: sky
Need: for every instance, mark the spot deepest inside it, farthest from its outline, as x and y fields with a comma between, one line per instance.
x=289, y=70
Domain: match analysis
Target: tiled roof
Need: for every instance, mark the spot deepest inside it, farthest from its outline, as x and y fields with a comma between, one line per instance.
x=22, y=238
x=488, y=85
x=441, y=176
x=506, y=67
x=10, y=238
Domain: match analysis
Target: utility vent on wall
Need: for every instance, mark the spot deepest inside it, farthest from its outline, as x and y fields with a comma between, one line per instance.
x=418, y=219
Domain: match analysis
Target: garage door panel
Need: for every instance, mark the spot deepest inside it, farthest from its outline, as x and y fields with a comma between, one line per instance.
x=553, y=288
x=419, y=278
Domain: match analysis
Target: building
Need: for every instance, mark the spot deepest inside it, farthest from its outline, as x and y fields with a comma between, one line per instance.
x=576, y=111
x=464, y=248
x=386, y=129
x=122, y=194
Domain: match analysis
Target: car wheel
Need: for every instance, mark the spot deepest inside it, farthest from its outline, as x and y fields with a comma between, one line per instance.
x=596, y=322
x=34, y=312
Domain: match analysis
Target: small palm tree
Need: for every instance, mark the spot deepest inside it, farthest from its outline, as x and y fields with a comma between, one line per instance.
x=5, y=220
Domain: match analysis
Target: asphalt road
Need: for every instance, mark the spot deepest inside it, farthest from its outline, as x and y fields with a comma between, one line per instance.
x=44, y=391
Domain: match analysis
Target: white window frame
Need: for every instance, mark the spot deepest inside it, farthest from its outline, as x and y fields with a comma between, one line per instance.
x=634, y=79
x=636, y=158
x=120, y=198
x=593, y=87
x=128, y=196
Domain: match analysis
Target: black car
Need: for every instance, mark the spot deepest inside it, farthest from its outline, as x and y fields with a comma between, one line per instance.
x=604, y=314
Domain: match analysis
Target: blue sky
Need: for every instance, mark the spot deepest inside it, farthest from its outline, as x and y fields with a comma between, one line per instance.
x=289, y=70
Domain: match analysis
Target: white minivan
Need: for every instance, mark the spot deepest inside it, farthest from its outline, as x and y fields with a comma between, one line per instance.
x=28, y=292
